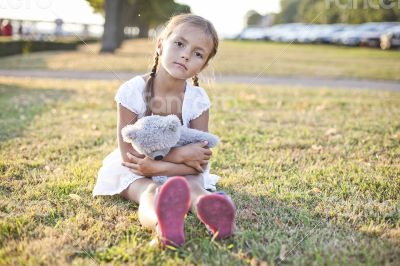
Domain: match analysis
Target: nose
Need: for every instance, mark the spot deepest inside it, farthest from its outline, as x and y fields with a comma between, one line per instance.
x=158, y=157
x=185, y=58
x=185, y=55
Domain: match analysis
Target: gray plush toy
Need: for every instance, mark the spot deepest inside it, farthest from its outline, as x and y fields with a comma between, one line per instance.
x=155, y=135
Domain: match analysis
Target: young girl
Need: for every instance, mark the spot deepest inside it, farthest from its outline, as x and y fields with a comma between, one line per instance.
x=183, y=50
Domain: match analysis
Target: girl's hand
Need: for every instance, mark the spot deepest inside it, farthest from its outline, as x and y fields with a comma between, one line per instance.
x=200, y=166
x=196, y=152
x=142, y=165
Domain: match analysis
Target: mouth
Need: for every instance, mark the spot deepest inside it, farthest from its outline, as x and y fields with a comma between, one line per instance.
x=181, y=65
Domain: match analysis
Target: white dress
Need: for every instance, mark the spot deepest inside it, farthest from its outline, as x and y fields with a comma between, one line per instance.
x=112, y=177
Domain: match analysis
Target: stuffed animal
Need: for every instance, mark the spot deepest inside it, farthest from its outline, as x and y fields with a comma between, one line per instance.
x=155, y=135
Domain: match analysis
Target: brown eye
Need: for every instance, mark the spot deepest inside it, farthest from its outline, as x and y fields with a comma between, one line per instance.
x=198, y=55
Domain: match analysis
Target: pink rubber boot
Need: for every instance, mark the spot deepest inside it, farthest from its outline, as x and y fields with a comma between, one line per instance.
x=172, y=205
x=217, y=212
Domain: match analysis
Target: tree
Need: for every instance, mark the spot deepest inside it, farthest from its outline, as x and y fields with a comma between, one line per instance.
x=112, y=21
x=98, y=5
x=317, y=11
x=253, y=18
x=151, y=13
x=144, y=14
x=289, y=10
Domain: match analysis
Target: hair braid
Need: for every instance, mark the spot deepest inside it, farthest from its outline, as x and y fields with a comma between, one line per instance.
x=154, y=69
x=149, y=89
x=195, y=79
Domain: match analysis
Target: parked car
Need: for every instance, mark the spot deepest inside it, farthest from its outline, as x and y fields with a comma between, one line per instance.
x=287, y=32
x=307, y=33
x=372, y=38
x=366, y=34
x=327, y=33
x=372, y=34
x=272, y=31
x=252, y=33
x=391, y=38
x=336, y=37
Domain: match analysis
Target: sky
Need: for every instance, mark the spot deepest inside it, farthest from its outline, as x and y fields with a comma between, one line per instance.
x=77, y=11
x=226, y=15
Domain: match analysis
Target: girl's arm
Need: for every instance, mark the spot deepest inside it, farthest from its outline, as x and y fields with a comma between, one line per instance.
x=148, y=167
x=172, y=169
x=195, y=155
x=189, y=152
x=125, y=117
x=201, y=122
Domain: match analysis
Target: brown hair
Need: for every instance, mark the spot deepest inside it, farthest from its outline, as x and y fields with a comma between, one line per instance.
x=175, y=21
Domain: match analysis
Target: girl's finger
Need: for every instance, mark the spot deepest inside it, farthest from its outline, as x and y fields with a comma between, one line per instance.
x=140, y=156
x=130, y=165
x=208, y=152
x=199, y=168
x=132, y=157
x=207, y=158
x=204, y=143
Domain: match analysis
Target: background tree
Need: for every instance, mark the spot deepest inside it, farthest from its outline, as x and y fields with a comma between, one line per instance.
x=289, y=11
x=149, y=14
x=112, y=25
x=144, y=14
x=352, y=12
x=253, y=18
x=98, y=5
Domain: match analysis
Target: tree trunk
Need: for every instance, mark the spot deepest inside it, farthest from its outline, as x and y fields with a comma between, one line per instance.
x=112, y=23
x=121, y=32
x=126, y=12
x=143, y=30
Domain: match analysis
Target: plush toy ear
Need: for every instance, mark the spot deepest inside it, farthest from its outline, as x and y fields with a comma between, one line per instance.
x=128, y=133
x=174, y=123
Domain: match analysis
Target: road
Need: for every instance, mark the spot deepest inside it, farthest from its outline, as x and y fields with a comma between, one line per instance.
x=309, y=82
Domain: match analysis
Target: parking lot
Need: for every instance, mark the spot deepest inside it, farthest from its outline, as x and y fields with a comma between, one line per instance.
x=384, y=35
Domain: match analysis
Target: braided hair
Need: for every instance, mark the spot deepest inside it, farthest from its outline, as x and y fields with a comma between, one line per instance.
x=149, y=88
x=195, y=80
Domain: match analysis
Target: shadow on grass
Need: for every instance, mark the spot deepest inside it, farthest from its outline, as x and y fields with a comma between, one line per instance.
x=270, y=232
x=19, y=106
x=282, y=233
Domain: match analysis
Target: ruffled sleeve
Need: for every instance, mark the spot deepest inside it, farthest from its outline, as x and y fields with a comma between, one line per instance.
x=130, y=95
x=197, y=103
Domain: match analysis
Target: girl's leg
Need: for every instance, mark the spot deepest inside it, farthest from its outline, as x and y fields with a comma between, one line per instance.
x=215, y=210
x=143, y=191
x=196, y=189
x=165, y=211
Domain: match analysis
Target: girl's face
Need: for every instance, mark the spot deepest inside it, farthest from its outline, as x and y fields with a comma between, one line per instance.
x=185, y=52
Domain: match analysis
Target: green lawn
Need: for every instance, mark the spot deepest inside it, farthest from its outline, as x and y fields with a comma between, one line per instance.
x=315, y=175
x=234, y=57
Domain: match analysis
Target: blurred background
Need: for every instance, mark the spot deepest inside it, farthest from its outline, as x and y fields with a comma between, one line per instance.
x=350, y=23
x=337, y=39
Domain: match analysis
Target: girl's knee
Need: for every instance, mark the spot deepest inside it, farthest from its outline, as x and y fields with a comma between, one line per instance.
x=137, y=188
x=152, y=188
x=195, y=180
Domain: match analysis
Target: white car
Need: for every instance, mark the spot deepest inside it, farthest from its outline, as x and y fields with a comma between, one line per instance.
x=391, y=38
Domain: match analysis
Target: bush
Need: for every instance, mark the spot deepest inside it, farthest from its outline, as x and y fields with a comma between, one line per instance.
x=12, y=47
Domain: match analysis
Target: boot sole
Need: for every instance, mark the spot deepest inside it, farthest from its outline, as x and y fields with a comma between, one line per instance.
x=172, y=205
x=217, y=212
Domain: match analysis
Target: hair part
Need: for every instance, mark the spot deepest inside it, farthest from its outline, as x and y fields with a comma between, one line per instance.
x=171, y=25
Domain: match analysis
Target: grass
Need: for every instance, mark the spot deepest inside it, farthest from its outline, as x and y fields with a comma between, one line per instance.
x=314, y=173
x=253, y=58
